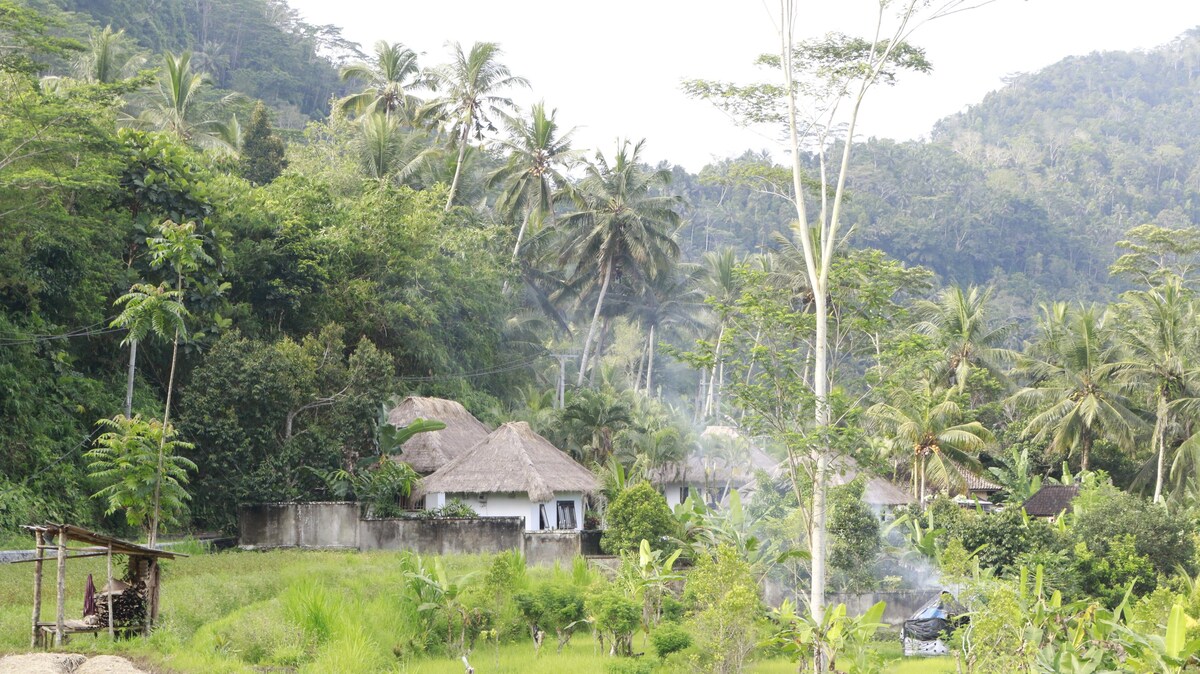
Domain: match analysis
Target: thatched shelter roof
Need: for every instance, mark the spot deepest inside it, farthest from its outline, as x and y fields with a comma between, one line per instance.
x=975, y=483
x=1051, y=500
x=728, y=459
x=876, y=492
x=426, y=452
x=513, y=458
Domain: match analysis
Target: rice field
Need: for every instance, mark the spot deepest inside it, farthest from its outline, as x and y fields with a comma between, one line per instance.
x=310, y=613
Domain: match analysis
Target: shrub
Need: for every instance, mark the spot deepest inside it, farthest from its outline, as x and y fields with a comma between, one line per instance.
x=1108, y=576
x=854, y=538
x=668, y=639
x=1106, y=514
x=553, y=606
x=638, y=513
x=1003, y=537
x=725, y=606
x=617, y=618
x=630, y=667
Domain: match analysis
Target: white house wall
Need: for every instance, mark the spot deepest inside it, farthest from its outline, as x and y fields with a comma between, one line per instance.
x=512, y=505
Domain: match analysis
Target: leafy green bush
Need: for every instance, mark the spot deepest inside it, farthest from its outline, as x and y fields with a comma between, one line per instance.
x=556, y=607
x=725, y=609
x=1003, y=537
x=638, y=513
x=854, y=541
x=617, y=618
x=1106, y=514
x=669, y=638
x=1107, y=577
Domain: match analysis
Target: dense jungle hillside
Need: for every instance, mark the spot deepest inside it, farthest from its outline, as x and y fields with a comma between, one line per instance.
x=1029, y=189
x=168, y=245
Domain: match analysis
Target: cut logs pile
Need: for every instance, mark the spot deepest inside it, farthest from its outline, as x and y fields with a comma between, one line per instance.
x=129, y=606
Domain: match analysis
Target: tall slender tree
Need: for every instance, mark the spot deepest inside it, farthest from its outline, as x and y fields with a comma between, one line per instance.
x=1075, y=387
x=621, y=227
x=179, y=248
x=389, y=79
x=958, y=321
x=146, y=310
x=470, y=86
x=1159, y=338
x=537, y=153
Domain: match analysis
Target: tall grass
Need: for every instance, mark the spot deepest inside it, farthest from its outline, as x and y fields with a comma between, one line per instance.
x=310, y=612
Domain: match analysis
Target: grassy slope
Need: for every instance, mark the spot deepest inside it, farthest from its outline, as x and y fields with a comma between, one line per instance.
x=312, y=611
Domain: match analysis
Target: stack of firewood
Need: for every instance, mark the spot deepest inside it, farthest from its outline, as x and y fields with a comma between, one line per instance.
x=129, y=606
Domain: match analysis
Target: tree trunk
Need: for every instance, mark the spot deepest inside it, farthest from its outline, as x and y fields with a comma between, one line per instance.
x=712, y=383
x=921, y=493
x=587, y=342
x=1086, y=446
x=462, y=153
x=129, y=384
x=598, y=352
x=650, y=363
x=162, y=442
x=1160, y=424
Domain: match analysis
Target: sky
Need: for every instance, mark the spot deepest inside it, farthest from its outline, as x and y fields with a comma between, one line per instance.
x=613, y=68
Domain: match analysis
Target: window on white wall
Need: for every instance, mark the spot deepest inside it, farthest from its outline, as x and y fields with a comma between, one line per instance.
x=566, y=515
x=543, y=518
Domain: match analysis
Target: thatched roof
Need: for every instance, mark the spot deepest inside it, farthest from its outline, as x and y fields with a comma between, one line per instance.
x=512, y=459
x=1051, y=500
x=975, y=483
x=714, y=469
x=722, y=462
x=426, y=452
x=877, y=491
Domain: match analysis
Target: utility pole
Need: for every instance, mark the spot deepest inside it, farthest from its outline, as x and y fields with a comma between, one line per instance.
x=560, y=397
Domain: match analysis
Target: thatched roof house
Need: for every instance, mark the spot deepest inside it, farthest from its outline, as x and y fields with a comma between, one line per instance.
x=877, y=492
x=515, y=472
x=727, y=462
x=1051, y=500
x=426, y=452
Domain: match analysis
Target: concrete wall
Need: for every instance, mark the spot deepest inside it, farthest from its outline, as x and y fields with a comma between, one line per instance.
x=326, y=526
x=290, y=525
x=454, y=536
x=544, y=548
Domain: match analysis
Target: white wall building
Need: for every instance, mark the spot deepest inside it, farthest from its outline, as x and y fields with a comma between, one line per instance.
x=514, y=472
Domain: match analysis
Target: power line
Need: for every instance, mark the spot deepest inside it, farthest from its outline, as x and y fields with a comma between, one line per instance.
x=498, y=369
x=85, y=331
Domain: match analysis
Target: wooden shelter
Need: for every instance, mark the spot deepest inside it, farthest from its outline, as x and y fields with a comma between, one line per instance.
x=141, y=588
x=429, y=451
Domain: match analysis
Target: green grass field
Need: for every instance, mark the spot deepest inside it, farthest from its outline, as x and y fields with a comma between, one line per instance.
x=305, y=612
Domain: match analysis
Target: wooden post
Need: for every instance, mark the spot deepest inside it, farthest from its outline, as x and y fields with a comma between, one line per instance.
x=62, y=587
x=37, y=586
x=108, y=591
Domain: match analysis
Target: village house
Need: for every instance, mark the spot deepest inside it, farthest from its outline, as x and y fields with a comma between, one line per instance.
x=514, y=472
x=428, y=451
x=726, y=462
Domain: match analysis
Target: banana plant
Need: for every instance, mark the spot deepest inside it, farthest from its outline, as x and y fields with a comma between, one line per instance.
x=843, y=643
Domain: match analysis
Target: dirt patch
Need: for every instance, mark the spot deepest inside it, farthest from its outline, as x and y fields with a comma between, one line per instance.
x=66, y=663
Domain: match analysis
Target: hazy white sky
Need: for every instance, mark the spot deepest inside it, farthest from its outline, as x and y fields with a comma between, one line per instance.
x=613, y=67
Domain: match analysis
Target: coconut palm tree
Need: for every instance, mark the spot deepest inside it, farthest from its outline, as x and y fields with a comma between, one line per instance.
x=172, y=110
x=621, y=228
x=389, y=81
x=925, y=422
x=386, y=152
x=536, y=153
x=471, y=83
x=147, y=310
x=671, y=299
x=1158, y=337
x=719, y=283
x=958, y=321
x=110, y=57
x=1074, y=385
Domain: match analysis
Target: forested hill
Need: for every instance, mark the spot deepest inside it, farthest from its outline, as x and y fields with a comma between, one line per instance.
x=260, y=48
x=1030, y=188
